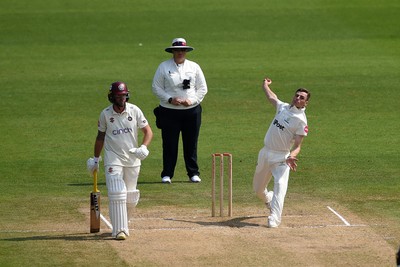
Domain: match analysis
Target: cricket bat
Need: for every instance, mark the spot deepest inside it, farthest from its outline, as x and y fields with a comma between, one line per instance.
x=95, y=206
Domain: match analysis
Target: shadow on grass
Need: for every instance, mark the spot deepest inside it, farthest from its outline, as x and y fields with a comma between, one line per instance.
x=239, y=222
x=65, y=237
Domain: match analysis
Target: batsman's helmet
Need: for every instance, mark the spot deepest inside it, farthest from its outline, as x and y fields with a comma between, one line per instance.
x=118, y=88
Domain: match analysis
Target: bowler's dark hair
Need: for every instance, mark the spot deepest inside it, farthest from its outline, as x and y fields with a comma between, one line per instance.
x=305, y=91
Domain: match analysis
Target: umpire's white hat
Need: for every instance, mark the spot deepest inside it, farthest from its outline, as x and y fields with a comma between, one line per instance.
x=179, y=43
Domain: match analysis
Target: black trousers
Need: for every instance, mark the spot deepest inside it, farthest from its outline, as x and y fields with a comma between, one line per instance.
x=173, y=122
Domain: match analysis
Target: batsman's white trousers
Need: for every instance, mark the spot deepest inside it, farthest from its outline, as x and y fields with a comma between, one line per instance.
x=272, y=163
x=120, y=180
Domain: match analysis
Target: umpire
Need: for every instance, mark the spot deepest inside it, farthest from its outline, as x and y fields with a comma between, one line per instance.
x=180, y=86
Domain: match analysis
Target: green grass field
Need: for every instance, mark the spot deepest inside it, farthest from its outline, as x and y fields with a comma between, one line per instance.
x=57, y=59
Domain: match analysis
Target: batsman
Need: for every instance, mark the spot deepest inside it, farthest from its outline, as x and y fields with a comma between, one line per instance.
x=118, y=128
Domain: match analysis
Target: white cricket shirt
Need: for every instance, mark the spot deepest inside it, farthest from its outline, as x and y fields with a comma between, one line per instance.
x=169, y=79
x=288, y=122
x=121, y=134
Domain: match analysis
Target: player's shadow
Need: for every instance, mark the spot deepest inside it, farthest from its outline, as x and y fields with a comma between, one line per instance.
x=65, y=237
x=238, y=222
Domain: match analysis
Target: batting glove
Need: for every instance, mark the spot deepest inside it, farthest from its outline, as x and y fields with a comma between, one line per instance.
x=141, y=153
x=92, y=164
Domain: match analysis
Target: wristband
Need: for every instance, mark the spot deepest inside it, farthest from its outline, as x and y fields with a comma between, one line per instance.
x=96, y=160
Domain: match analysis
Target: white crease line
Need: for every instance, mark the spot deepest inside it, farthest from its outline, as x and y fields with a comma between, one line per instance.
x=201, y=228
x=340, y=217
x=325, y=226
x=194, y=228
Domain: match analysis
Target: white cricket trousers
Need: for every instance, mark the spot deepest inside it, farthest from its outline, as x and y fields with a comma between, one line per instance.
x=272, y=163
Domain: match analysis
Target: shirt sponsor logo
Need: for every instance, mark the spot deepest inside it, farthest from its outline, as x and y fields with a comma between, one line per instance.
x=122, y=131
x=277, y=124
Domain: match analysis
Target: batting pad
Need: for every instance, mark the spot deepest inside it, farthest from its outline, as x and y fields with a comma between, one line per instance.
x=117, y=205
x=133, y=197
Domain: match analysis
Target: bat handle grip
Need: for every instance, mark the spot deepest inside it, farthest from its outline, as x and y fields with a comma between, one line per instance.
x=95, y=181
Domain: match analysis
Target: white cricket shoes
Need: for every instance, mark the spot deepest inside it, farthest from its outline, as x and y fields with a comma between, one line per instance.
x=121, y=236
x=166, y=180
x=271, y=222
x=195, y=179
